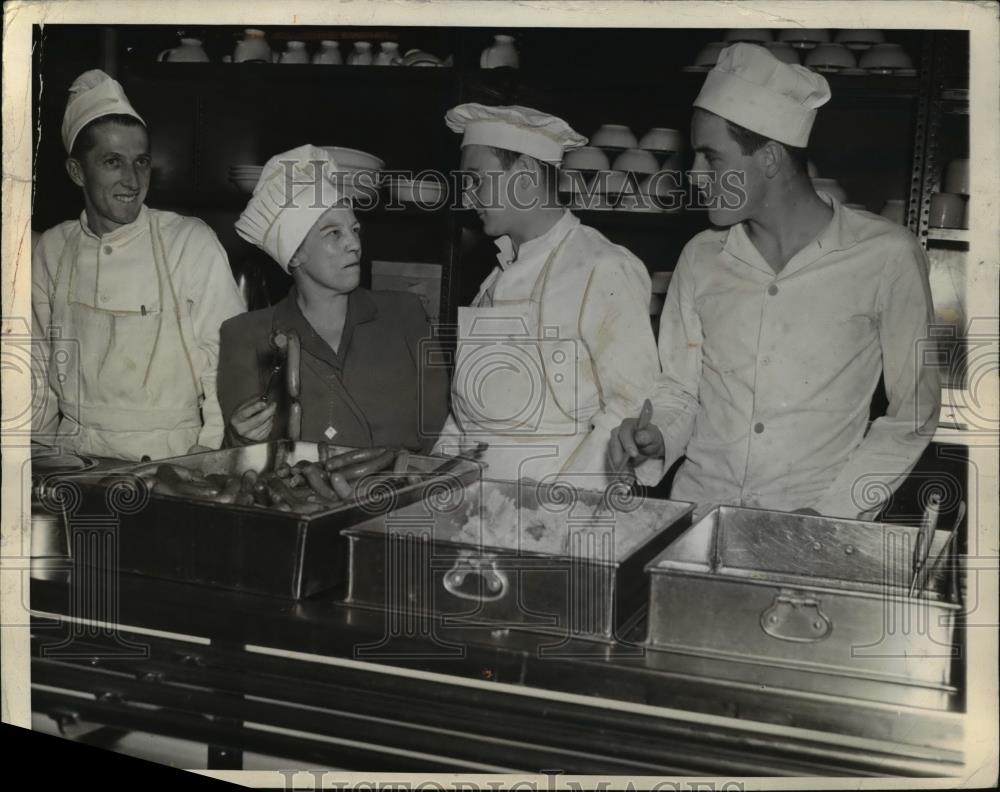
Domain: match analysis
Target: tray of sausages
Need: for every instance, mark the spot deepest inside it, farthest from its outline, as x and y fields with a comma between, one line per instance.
x=264, y=518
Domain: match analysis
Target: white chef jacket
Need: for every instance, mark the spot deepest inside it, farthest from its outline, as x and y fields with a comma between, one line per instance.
x=115, y=272
x=597, y=294
x=767, y=379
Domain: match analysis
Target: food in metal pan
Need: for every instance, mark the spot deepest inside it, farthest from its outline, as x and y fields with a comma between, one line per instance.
x=305, y=487
x=552, y=528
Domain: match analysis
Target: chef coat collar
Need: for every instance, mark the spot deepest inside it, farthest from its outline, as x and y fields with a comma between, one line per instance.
x=361, y=308
x=548, y=240
x=839, y=234
x=121, y=234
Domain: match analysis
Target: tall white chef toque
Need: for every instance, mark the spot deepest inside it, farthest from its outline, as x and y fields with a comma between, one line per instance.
x=92, y=95
x=752, y=88
x=522, y=129
x=295, y=188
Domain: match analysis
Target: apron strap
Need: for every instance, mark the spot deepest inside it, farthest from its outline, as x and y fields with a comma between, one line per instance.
x=163, y=274
x=537, y=296
x=59, y=296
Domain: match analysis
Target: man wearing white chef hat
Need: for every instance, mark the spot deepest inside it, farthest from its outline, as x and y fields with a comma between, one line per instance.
x=779, y=322
x=135, y=295
x=557, y=347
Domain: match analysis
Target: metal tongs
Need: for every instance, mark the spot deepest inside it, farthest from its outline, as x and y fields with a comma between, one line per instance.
x=925, y=537
x=621, y=475
x=279, y=343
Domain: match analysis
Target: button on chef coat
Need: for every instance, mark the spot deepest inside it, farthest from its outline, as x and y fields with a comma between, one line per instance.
x=116, y=272
x=767, y=378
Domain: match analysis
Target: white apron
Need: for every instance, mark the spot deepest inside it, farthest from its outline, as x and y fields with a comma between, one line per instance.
x=126, y=380
x=501, y=391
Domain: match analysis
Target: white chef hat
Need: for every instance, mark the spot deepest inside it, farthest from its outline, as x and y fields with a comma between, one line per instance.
x=751, y=87
x=92, y=95
x=295, y=188
x=520, y=129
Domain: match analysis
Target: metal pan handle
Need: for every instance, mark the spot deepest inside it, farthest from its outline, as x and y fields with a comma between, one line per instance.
x=494, y=581
x=795, y=617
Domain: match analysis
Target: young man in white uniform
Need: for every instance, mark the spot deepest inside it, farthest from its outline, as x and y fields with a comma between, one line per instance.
x=134, y=295
x=778, y=324
x=557, y=348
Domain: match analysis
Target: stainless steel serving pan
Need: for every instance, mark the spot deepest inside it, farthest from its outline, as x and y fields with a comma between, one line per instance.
x=516, y=555
x=809, y=603
x=247, y=548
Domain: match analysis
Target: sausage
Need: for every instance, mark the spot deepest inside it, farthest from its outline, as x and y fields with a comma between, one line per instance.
x=168, y=472
x=341, y=486
x=339, y=461
x=402, y=463
x=323, y=449
x=282, y=493
x=243, y=499
x=231, y=491
x=219, y=480
x=247, y=481
x=184, y=489
x=294, y=421
x=260, y=493
x=314, y=475
x=292, y=364
x=276, y=489
x=361, y=469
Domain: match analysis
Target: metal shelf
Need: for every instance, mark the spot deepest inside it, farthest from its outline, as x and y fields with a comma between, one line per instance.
x=948, y=235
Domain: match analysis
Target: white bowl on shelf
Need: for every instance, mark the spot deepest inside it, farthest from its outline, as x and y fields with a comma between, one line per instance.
x=885, y=59
x=859, y=38
x=614, y=136
x=831, y=57
x=748, y=35
x=804, y=38
x=636, y=160
x=784, y=52
x=662, y=140
x=354, y=159
x=586, y=158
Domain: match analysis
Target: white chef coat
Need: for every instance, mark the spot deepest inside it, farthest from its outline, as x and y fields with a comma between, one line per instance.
x=574, y=287
x=767, y=379
x=132, y=278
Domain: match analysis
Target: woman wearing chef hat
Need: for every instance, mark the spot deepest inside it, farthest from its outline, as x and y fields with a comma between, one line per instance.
x=779, y=323
x=362, y=378
x=557, y=347
x=126, y=300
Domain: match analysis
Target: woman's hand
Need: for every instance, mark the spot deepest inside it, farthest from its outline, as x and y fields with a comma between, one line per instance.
x=253, y=419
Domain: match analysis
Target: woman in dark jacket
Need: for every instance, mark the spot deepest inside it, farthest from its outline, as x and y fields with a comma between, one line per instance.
x=367, y=373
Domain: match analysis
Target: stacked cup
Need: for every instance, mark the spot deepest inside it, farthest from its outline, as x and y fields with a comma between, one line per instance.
x=949, y=209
